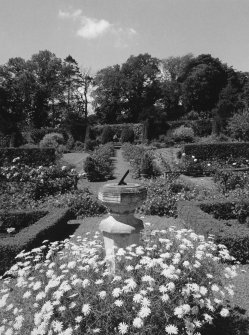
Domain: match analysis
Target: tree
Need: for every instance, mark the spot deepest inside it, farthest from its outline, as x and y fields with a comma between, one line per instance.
x=47, y=70
x=16, y=86
x=201, y=82
x=141, y=85
x=171, y=69
x=108, y=94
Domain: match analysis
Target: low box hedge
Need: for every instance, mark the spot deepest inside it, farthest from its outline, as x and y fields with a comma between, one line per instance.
x=19, y=219
x=28, y=156
x=220, y=150
x=52, y=227
x=234, y=235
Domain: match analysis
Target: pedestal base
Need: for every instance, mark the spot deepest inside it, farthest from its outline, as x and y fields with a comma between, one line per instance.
x=119, y=231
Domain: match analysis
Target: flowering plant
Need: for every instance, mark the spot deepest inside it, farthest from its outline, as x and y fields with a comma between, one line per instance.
x=174, y=283
x=39, y=181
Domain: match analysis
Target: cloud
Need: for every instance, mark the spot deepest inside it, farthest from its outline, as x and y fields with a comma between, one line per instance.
x=91, y=28
x=70, y=15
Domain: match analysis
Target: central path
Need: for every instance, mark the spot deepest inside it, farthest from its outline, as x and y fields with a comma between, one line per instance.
x=121, y=166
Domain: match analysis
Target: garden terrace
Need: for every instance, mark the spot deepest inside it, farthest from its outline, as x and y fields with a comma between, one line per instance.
x=226, y=230
x=52, y=226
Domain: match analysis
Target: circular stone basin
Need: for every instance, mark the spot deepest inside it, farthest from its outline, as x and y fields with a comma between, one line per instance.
x=121, y=198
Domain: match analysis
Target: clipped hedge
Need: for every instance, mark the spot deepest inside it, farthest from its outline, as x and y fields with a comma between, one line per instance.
x=29, y=156
x=233, y=235
x=19, y=219
x=117, y=129
x=220, y=150
x=52, y=227
x=36, y=135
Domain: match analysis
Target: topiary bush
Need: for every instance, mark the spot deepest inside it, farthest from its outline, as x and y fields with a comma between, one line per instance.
x=127, y=135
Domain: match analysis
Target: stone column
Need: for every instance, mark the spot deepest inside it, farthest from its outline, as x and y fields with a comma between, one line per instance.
x=121, y=228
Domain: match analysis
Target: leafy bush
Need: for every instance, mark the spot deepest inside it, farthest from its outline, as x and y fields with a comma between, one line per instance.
x=146, y=167
x=233, y=235
x=107, y=135
x=165, y=276
x=36, y=135
x=82, y=204
x=222, y=150
x=28, y=156
x=79, y=146
x=90, y=145
x=226, y=210
x=127, y=135
x=183, y=134
x=190, y=166
x=162, y=197
x=117, y=129
x=41, y=181
x=230, y=180
x=52, y=140
x=99, y=165
x=238, y=126
x=213, y=139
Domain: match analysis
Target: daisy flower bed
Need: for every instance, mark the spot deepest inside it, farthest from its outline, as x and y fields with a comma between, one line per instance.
x=175, y=282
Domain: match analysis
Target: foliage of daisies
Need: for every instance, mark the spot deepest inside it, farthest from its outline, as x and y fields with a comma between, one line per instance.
x=171, y=284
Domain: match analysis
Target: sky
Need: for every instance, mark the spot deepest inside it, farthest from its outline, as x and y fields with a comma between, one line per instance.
x=101, y=33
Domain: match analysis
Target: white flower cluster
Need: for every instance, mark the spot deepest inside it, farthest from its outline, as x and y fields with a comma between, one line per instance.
x=65, y=288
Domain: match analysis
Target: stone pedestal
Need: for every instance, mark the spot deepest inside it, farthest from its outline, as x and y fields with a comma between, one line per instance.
x=121, y=228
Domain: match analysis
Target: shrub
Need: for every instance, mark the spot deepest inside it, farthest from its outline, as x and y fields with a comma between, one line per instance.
x=41, y=181
x=18, y=219
x=117, y=129
x=213, y=139
x=52, y=226
x=233, y=235
x=99, y=165
x=147, y=165
x=36, y=135
x=191, y=166
x=162, y=277
x=79, y=146
x=52, y=140
x=230, y=180
x=127, y=135
x=107, y=135
x=90, y=145
x=183, y=134
x=238, y=126
x=82, y=204
x=222, y=150
x=161, y=200
x=28, y=156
